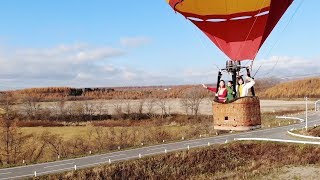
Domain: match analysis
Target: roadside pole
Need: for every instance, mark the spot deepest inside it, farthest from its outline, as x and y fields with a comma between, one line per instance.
x=306, y=98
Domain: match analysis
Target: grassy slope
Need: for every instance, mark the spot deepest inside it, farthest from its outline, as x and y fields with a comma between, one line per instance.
x=295, y=89
x=231, y=161
x=312, y=131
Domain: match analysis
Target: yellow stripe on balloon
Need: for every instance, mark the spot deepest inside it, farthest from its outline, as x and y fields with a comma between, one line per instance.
x=221, y=7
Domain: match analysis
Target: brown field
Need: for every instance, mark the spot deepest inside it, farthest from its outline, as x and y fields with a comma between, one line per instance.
x=231, y=161
x=40, y=144
x=179, y=126
x=47, y=128
x=71, y=132
x=174, y=106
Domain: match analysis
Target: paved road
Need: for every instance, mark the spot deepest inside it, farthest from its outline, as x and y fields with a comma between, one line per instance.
x=90, y=161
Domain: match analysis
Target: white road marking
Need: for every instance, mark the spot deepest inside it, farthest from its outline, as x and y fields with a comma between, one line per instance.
x=152, y=149
x=192, y=143
x=126, y=158
x=58, y=165
x=5, y=173
x=57, y=170
x=108, y=157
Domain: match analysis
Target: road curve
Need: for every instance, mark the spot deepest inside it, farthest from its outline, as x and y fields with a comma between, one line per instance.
x=278, y=133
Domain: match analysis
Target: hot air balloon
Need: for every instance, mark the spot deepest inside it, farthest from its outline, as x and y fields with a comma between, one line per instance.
x=238, y=28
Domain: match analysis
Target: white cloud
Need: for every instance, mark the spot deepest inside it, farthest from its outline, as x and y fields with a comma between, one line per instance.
x=82, y=65
x=134, y=41
x=284, y=66
x=51, y=52
x=128, y=75
x=277, y=66
x=97, y=54
x=63, y=65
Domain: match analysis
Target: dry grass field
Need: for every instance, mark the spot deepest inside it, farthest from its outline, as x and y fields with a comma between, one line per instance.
x=72, y=132
x=40, y=144
x=63, y=128
x=229, y=161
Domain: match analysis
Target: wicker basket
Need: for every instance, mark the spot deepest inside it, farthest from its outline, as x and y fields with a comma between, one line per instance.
x=240, y=115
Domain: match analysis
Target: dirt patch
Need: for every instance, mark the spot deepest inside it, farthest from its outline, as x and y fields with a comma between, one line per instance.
x=294, y=172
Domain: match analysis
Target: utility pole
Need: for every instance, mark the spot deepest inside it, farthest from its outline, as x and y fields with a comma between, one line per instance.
x=306, y=98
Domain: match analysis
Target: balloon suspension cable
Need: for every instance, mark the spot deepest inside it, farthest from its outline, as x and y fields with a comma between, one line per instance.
x=251, y=65
x=257, y=71
x=278, y=40
x=246, y=66
x=217, y=67
x=286, y=27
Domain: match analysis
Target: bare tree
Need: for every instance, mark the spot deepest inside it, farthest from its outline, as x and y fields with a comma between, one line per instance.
x=11, y=138
x=191, y=100
x=99, y=137
x=78, y=145
x=12, y=141
x=150, y=105
x=31, y=105
x=75, y=110
x=122, y=138
x=169, y=108
x=101, y=109
x=61, y=107
x=55, y=143
x=185, y=105
x=117, y=109
x=127, y=106
x=140, y=105
x=162, y=104
x=35, y=149
x=89, y=109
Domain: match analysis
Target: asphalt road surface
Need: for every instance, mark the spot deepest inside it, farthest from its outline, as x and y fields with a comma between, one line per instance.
x=90, y=161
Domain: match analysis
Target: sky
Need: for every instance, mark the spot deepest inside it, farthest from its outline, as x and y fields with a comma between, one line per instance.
x=107, y=43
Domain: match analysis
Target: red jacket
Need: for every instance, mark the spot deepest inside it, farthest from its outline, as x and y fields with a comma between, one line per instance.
x=221, y=94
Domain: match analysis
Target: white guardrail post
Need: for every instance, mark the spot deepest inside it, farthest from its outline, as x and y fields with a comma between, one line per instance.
x=316, y=107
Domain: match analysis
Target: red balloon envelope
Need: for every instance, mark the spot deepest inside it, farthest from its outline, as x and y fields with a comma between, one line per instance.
x=237, y=27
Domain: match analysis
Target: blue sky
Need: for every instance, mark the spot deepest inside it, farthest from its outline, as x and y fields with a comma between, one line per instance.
x=127, y=43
